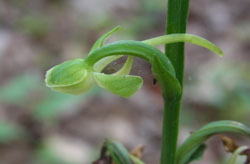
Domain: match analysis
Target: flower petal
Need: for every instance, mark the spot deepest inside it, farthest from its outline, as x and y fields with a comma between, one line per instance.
x=100, y=65
x=122, y=85
x=126, y=68
x=100, y=41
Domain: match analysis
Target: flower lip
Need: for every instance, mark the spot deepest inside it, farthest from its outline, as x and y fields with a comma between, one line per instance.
x=66, y=74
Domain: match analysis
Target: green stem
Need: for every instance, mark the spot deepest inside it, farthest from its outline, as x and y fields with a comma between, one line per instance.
x=177, y=14
x=176, y=23
x=170, y=130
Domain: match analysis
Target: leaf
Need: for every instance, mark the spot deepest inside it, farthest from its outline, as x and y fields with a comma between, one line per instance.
x=118, y=152
x=197, y=138
x=122, y=85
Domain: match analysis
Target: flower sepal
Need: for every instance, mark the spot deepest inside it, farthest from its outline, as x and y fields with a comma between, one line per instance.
x=72, y=77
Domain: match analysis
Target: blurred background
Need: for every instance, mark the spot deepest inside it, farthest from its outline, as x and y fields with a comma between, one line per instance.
x=39, y=126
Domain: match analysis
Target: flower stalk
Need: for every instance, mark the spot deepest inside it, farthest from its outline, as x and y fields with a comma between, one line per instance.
x=177, y=14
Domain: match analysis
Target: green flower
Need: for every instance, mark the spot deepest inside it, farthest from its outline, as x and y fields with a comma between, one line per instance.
x=76, y=76
x=79, y=75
